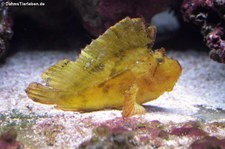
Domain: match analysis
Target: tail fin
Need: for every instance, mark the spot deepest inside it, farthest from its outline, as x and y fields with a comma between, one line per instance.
x=40, y=93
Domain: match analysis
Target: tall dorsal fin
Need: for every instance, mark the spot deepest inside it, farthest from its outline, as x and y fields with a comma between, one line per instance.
x=112, y=53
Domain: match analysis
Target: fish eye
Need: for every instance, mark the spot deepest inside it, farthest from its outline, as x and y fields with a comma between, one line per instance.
x=159, y=60
x=159, y=57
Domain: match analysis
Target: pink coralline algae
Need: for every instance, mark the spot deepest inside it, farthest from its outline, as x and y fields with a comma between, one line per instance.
x=8, y=140
x=209, y=143
x=189, y=131
x=139, y=133
x=209, y=15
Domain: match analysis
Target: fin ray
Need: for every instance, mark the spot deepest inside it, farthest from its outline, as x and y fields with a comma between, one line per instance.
x=40, y=93
x=102, y=57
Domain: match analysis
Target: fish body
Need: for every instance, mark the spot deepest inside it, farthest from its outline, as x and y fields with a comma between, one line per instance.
x=117, y=70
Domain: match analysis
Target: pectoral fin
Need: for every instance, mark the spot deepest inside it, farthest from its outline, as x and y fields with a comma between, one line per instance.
x=130, y=106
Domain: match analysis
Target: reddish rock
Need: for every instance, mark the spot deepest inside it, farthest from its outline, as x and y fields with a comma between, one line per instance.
x=209, y=16
x=188, y=131
x=208, y=143
x=98, y=15
x=8, y=140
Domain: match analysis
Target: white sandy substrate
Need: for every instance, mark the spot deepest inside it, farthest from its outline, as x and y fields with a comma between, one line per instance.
x=199, y=94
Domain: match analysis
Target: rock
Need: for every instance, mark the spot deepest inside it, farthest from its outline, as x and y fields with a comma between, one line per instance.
x=8, y=140
x=99, y=15
x=188, y=131
x=5, y=29
x=209, y=16
x=208, y=143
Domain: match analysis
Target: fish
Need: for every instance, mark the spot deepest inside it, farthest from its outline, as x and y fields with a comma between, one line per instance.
x=118, y=70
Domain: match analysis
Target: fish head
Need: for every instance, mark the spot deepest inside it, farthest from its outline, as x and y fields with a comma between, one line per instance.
x=167, y=70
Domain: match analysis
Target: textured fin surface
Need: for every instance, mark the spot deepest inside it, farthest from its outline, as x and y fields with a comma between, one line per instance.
x=103, y=58
x=40, y=93
x=56, y=76
x=131, y=107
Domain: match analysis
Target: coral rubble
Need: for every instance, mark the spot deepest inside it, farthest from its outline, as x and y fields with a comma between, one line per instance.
x=209, y=15
x=8, y=140
x=129, y=133
x=209, y=142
